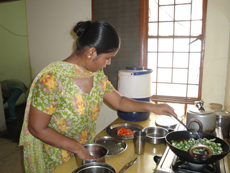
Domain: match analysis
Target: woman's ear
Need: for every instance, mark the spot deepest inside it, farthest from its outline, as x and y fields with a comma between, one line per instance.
x=91, y=53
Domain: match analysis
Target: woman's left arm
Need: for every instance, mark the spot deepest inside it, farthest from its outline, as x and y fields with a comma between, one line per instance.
x=125, y=104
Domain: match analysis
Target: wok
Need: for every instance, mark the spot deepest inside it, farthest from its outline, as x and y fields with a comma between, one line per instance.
x=189, y=155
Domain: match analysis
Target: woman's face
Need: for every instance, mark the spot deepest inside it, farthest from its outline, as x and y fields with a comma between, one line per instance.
x=101, y=61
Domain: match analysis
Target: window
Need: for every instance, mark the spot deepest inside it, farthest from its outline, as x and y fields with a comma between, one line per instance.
x=173, y=35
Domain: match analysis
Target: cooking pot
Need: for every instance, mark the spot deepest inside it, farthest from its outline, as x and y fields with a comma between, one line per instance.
x=190, y=156
x=155, y=135
x=223, y=121
x=100, y=153
x=205, y=116
x=95, y=167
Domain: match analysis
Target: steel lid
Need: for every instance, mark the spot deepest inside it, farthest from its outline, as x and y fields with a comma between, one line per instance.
x=222, y=114
x=201, y=112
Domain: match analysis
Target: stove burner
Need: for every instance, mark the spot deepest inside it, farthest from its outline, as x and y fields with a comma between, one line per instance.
x=184, y=166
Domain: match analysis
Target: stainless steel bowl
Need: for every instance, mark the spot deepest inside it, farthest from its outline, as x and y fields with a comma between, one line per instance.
x=95, y=167
x=155, y=135
x=98, y=151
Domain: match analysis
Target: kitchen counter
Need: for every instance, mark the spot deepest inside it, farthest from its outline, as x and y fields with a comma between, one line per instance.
x=144, y=162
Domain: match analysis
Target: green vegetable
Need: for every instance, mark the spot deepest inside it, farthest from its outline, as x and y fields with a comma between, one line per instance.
x=187, y=144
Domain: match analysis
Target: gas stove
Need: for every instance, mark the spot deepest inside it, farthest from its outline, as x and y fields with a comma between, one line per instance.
x=170, y=163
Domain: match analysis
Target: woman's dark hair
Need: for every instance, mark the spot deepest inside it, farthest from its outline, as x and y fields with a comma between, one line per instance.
x=98, y=34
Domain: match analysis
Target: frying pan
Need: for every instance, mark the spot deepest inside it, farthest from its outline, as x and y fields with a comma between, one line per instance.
x=189, y=155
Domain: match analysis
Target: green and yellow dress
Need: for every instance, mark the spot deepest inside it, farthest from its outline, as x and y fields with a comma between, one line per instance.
x=74, y=113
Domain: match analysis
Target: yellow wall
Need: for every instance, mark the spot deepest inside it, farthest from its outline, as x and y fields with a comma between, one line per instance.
x=14, y=51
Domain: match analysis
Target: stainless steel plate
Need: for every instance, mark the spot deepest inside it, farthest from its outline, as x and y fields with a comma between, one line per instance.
x=166, y=122
x=114, y=145
x=112, y=130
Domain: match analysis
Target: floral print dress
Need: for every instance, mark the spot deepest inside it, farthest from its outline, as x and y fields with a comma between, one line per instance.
x=74, y=113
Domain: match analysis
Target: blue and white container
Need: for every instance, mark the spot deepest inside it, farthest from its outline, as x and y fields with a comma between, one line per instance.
x=135, y=83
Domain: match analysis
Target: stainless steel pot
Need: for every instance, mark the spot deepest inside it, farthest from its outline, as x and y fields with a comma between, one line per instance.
x=95, y=167
x=223, y=121
x=155, y=135
x=205, y=116
x=100, y=152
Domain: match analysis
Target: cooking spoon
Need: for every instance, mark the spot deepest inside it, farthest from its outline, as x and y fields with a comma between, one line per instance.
x=193, y=132
x=190, y=130
x=202, y=151
x=181, y=123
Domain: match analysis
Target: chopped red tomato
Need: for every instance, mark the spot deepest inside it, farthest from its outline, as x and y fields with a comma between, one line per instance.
x=124, y=132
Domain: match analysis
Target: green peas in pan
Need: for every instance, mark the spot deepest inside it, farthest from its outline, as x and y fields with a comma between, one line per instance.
x=186, y=144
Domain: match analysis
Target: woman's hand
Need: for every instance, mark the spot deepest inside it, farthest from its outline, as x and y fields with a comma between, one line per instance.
x=164, y=109
x=83, y=153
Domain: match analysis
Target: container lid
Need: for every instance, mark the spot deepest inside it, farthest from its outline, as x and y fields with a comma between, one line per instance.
x=201, y=112
x=134, y=68
x=199, y=109
x=222, y=114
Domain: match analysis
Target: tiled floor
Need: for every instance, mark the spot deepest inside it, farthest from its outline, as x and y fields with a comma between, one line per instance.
x=11, y=157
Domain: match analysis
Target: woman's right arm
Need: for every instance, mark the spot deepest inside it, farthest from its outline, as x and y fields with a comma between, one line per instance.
x=38, y=127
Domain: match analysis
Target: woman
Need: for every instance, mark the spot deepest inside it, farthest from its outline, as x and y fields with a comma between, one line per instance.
x=65, y=99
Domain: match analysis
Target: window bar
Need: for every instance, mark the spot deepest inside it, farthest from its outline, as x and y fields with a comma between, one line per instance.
x=158, y=14
x=174, y=14
x=189, y=53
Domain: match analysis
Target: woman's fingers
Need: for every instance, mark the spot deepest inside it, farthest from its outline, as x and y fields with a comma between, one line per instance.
x=170, y=112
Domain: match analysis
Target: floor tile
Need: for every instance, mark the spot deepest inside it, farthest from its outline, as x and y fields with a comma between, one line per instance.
x=11, y=157
x=7, y=148
x=12, y=163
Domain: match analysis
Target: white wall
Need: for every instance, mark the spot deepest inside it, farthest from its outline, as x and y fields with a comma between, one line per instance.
x=216, y=52
x=225, y=6
x=50, y=25
x=227, y=97
x=49, y=28
x=106, y=116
